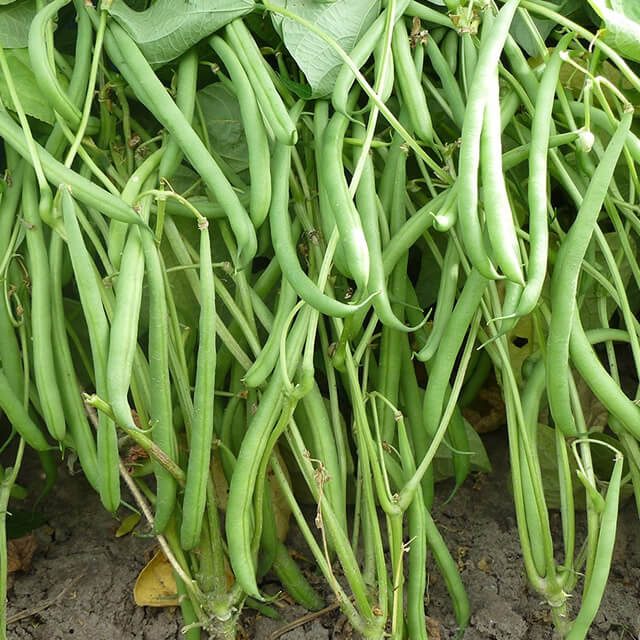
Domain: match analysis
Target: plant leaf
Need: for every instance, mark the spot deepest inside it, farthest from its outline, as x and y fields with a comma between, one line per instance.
x=33, y=100
x=344, y=21
x=622, y=25
x=15, y=20
x=169, y=27
x=224, y=125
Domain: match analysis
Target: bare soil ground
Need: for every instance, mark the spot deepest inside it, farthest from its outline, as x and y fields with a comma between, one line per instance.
x=80, y=580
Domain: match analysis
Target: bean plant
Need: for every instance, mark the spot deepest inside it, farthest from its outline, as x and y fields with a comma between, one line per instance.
x=276, y=248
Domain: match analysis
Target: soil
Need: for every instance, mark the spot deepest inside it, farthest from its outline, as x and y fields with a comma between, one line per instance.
x=80, y=580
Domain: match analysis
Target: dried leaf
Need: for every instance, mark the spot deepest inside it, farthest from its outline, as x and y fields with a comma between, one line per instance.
x=20, y=553
x=156, y=586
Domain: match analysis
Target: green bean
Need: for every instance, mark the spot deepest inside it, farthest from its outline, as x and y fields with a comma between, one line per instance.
x=43, y=359
x=367, y=202
x=202, y=427
x=283, y=244
x=537, y=193
x=599, y=381
x=87, y=280
x=161, y=412
x=450, y=86
x=73, y=406
x=117, y=229
x=606, y=539
x=470, y=228
x=136, y=70
x=325, y=211
x=413, y=97
x=267, y=358
x=257, y=141
x=18, y=416
x=450, y=343
x=345, y=213
x=271, y=104
x=419, y=10
x=359, y=54
x=42, y=68
x=185, y=101
x=10, y=358
x=445, y=301
x=497, y=208
x=250, y=459
x=564, y=280
x=293, y=580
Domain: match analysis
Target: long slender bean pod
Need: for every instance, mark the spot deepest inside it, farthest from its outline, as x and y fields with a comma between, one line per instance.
x=537, y=189
x=43, y=359
x=470, y=227
x=257, y=141
x=564, y=281
x=202, y=426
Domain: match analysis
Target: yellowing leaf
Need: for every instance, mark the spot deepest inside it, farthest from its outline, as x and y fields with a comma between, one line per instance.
x=156, y=586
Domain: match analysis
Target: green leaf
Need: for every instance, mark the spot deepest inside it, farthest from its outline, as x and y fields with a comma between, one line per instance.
x=443, y=460
x=224, y=124
x=15, y=20
x=622, y=25
x=31, y=97
x=169, y=27
x=344, y=21
x=21, y=522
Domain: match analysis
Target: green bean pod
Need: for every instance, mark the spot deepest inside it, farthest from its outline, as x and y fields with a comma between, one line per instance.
x=249, y=460
x=41, y=67
x=87, y=281
x=564, y=280
x=161, y=409
x=43, y=359
x=450, y=86
x=19, y=417
x=266, y=360
x=293, y=580
x=185, y=101
x=410, y=86
x=195, y=494
x=606, y=539
x=445, y=301
x=360, y=54
x=118, y=229
x=73, y=406
x=497, y=208
x=603, y=386
x=367, y=202
x=257, y=141
x=346, y=215
x=450, y=343
x=469, y=160
x=283, y=244
x=537, y=190
x=10, y=357
x=273, y=108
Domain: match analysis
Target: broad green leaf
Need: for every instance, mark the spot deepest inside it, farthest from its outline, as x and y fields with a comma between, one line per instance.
x=169, y=27
x=33, y=101
x=224, y=125
x=15, y=19
x=344, y=21
x=621, y=25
